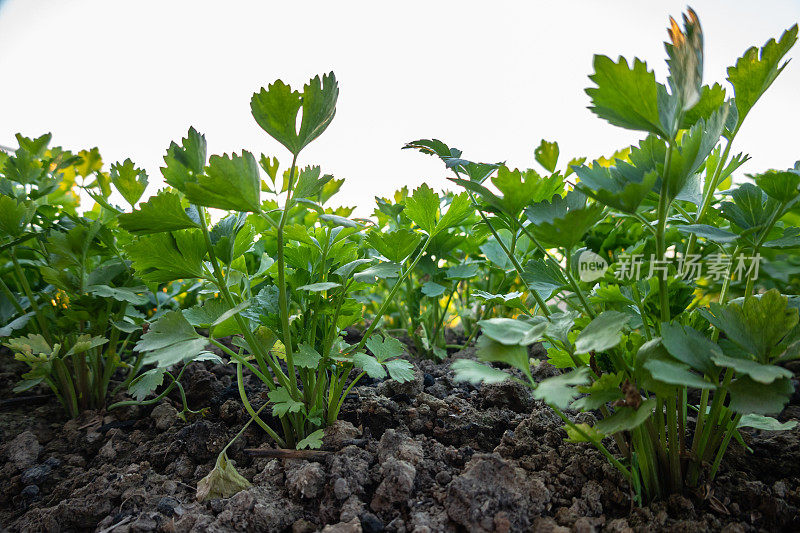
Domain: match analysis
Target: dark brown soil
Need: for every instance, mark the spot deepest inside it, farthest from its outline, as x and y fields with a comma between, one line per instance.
x=429, y=455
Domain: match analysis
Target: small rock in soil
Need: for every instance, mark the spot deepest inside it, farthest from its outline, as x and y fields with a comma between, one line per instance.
x=398, y=445
x=353, y=526
x=443, y=478
x=36, y=475
x=30, y=492
x=371, y=523
x=398, y=481
x=304, y=479
x=164, y=415
x=489, y=486
x=337, y=434
x=167, y=505
x=23, y=451
x=303, y=526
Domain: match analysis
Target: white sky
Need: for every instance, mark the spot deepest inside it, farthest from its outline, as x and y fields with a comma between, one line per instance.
x=129, y=77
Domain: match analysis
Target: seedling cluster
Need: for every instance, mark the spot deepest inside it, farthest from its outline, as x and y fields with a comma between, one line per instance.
x=243, y=262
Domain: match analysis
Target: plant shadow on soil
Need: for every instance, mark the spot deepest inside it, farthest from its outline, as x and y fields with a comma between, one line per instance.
x=427, y=455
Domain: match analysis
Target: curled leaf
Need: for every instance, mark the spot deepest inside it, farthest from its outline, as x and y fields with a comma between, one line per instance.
x=222, y=482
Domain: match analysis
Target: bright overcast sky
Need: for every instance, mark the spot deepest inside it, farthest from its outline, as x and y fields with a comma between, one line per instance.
x=129, y=77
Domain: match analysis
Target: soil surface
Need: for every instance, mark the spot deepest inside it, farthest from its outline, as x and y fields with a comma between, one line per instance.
x=428, y=455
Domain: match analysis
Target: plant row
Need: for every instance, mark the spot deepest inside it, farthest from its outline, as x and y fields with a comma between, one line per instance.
x=664, y=290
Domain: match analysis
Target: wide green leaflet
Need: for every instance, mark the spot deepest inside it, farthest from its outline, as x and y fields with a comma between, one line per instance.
x=130, y=181
x=164, y=257
x=161, y=213
x=275, y=110
x=229, y=182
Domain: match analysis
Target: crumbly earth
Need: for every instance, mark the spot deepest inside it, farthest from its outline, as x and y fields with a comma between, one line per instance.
x=429, y=455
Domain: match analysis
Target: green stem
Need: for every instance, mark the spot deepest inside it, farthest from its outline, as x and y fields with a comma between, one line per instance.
x=255, y=346
x=674, y=446
x=511, y=257
x=597, y=444
x=334, y=414
x=663, y=210
x=444, y=314
x=40, y=319
x=253, y=414
x=11, y=297
x=734, y=423
x=713, y=417
x=247, y=424
x=283, y=304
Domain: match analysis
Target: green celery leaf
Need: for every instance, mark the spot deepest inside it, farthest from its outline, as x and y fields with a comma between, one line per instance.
x=346, y=271
x=185, y=162
x=491, y=351
x=765, y=423
x=422, y=208
x=756, y=371
x=463, y=271
x=691, y=347
x=170, y=329
x=162, y=212
x=204, y=314
x=510, y=331
x=750, y=397
x=283, y=403
x=779, y=185
x=711, y=233
x=758, y=325
x=560, y=391
x=675, y=373
x=230, y=182
x=275, y=110
x=602, y=333
x=750, y=208
x=146, y=383
x=789, y=239
x=432, y=289
x=85, y=343
x=369, y=364
x=121, y=294
x=384, y=348
x=755, y=71
x=313, y=441
x=395, y=245
x=165, y=257
x=626, y=418
x=710, y=100
x=14, y=215
x=319, y=287
x=521, y=188
x=380, y=271
x=309, y=183
x=400, y=370
x=546, y=154
x=604, y=390
x=614, y=188
x=474, y=372
x=129, y=180
x=625, y=96
x=307, y=357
